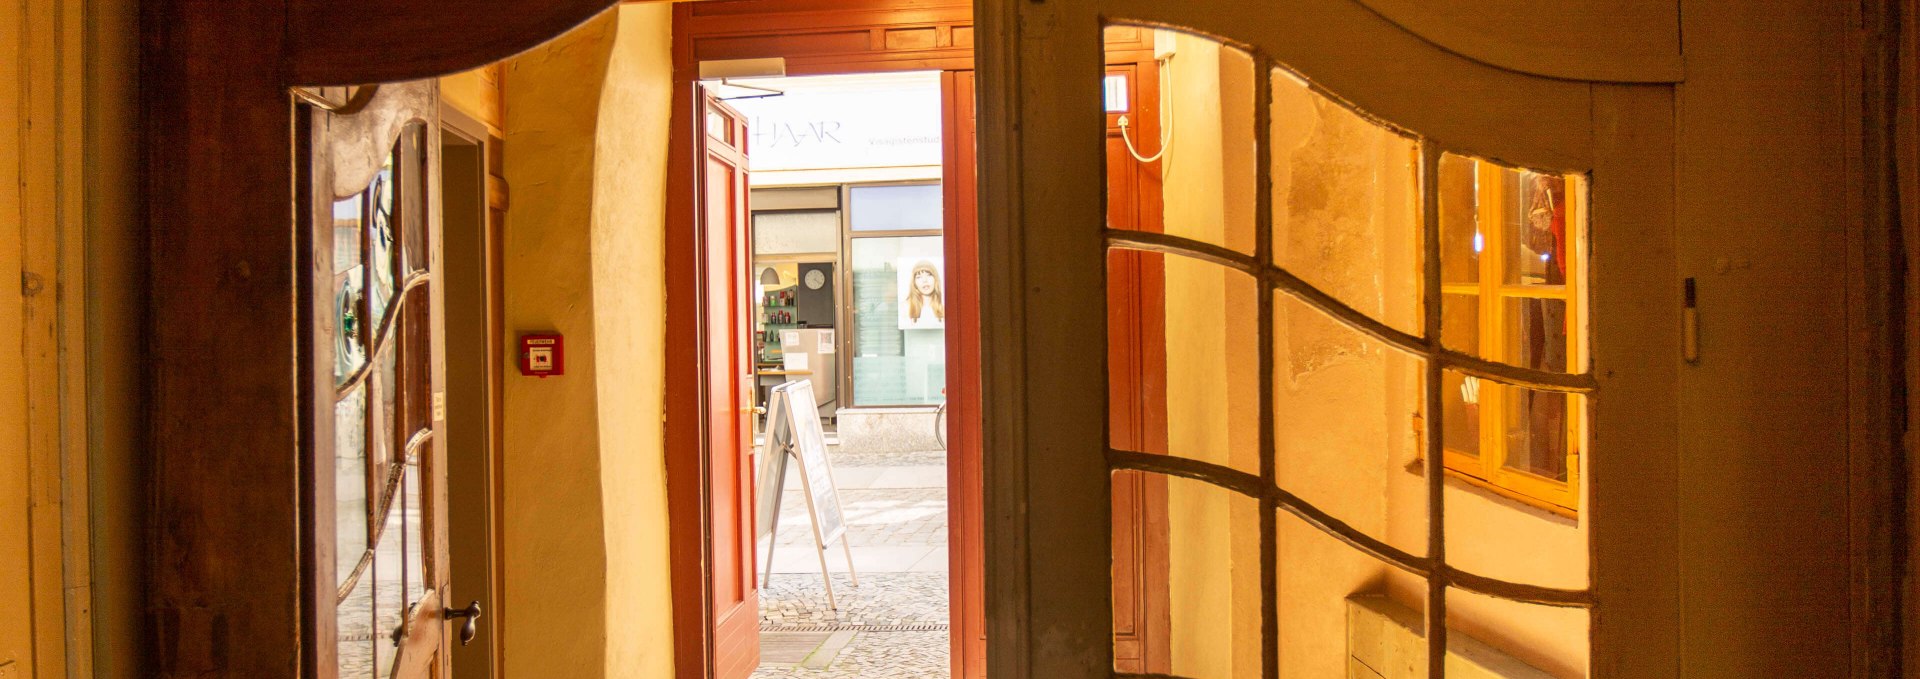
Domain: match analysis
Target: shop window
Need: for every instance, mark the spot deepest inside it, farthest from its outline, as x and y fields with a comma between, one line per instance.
x=903, y=207
x=796, y=232
x=899, y=320
x=1509, y=283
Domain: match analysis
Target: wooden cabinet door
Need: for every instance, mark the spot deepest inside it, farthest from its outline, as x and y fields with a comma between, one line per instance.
x=728, y=378
x=372, y=373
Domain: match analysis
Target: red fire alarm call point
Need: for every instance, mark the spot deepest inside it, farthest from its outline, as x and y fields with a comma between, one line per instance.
x=542, y=355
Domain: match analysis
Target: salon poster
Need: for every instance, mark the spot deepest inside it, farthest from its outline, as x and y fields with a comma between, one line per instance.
x=922, y=294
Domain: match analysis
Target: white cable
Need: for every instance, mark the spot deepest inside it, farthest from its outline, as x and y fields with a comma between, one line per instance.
x=1166, y=117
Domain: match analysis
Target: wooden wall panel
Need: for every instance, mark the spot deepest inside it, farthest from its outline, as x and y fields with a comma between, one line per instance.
x=819, y=37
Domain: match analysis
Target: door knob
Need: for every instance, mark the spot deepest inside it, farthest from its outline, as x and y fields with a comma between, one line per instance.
x=472, y=627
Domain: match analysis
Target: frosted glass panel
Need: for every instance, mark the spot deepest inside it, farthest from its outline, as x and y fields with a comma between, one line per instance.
x=898, y=208
x=782, y=233
x=899, y=321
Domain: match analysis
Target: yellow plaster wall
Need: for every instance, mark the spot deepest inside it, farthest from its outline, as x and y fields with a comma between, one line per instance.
x=477, y=93
x=629, y=293
x=1212, y=390
x=585, y=532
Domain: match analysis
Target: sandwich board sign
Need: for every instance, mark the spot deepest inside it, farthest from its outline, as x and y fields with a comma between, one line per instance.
x=794, y=437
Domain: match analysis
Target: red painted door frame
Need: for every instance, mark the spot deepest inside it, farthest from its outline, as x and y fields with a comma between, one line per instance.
x=966, y=511
x=817, y=37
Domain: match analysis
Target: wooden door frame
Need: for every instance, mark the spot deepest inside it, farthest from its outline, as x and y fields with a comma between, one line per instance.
x=816, y=37
x=223, y=390
x=492, y=193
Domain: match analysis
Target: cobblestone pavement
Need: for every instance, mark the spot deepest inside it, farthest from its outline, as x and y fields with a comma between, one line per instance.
x=797, y=599
x=891, y=459
x=879, y=518
x=878, y=655
x=875, y=517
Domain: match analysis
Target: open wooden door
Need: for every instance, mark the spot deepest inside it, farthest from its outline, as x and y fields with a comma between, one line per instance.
x=373, y=379
x=727, y=383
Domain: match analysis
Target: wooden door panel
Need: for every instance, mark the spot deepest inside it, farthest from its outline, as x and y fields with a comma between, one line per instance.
x=373, y=357
x=965, y=515
x=726, y=376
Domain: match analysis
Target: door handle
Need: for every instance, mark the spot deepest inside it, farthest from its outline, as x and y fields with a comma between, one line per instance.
x=472, y=627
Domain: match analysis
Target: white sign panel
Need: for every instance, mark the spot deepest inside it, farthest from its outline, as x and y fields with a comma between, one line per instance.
x=854, y=121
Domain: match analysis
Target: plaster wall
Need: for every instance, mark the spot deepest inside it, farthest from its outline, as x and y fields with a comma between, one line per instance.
x=629, y=292
x=1212, y=376
x=477, y=93
x=585, y=532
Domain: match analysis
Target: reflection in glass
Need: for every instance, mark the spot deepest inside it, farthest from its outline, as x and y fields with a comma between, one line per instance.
x=382, y=451
x=350, y=482
x=1460, y=400
x=413, y=196
x=1537, y=432
x=1534, y=225
x=899, y=320
x=355, y=631
x=381, y=246
x=349, y=338
x=1461, y=240
x=417, y=382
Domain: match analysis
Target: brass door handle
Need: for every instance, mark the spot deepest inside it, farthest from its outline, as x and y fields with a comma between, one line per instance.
x=472, y=627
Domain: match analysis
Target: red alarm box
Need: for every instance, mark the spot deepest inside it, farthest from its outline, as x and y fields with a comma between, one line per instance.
x=543, y=355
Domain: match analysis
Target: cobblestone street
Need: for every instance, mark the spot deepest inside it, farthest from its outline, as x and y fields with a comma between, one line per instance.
x=894, y=624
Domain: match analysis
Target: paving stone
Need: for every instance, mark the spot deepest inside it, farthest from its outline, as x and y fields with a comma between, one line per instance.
x=877, y=655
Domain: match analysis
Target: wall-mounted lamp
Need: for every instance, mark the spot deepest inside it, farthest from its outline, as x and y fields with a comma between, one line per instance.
x=769, y=277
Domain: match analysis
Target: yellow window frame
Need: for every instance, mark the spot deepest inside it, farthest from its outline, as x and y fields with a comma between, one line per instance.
x=1488, y=469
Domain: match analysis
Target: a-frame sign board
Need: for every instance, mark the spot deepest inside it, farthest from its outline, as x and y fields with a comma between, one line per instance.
x=794, y=433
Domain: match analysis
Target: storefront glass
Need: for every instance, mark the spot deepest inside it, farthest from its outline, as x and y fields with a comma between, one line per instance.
x=899, y=320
